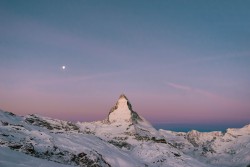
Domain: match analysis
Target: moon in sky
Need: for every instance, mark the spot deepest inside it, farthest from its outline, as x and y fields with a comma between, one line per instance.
x=63, y=67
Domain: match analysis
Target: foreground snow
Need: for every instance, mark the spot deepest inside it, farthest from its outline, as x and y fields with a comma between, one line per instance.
x=10, y=158
x=124, y=139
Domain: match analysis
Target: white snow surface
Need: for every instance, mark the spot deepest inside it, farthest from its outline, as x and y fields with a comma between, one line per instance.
x=10, y=158
x=124, y=139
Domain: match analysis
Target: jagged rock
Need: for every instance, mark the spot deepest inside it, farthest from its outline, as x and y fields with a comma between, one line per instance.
x=121, y=144
x=34, y=120
x=15, y=146
x=93, y=159
x=28, y=149
x=4, y=123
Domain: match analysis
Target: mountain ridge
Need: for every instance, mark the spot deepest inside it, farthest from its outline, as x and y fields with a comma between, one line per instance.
x=120, y=140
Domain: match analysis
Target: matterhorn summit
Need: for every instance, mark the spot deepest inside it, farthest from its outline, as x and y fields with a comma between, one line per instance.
x=126, y=120
x=123, y=112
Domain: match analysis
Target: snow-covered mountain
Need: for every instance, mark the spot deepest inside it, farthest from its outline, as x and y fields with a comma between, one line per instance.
x=123, y=139
x=231, y=148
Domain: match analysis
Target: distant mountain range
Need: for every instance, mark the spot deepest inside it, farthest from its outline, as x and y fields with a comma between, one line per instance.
x=123, y=139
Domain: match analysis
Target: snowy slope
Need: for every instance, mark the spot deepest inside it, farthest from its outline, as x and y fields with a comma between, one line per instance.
x=123, y=139
x=47, y=139
x=10, y=158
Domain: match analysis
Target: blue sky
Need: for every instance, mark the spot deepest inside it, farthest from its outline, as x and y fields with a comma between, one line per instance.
x=175, y=60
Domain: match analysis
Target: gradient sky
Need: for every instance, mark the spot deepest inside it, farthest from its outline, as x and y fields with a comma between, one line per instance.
x=177, y=61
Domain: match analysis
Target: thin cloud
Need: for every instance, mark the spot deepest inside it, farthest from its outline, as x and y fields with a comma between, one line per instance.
x=213, y=98
x=180, y=87
x=192, y=90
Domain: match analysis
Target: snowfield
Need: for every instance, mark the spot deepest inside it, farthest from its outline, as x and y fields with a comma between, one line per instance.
x=10, y=158
x=124, y=139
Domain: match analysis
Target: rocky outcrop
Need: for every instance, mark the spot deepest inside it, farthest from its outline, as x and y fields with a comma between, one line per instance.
x=50, y=124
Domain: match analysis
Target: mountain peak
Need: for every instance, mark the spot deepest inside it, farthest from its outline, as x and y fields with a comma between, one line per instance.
x=122, y=111
x=123, y=96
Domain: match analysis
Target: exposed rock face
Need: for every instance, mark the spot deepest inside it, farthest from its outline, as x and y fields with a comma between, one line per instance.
x=123, y=112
